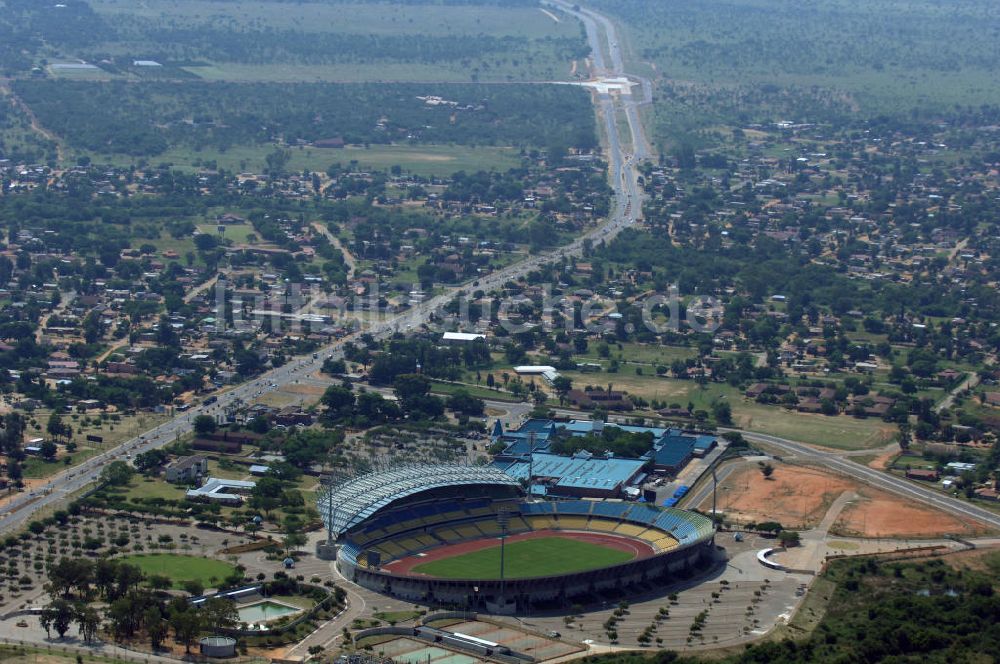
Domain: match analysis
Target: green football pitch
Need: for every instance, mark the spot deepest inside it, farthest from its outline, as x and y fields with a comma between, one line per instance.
x=544, y=556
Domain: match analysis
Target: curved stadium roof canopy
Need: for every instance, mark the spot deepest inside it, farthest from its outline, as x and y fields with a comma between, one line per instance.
x=360, y=497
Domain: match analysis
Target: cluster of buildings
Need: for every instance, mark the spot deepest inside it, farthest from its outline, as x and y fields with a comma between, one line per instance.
x=526, y=455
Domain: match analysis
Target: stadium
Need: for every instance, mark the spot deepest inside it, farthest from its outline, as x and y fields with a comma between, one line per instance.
x=466, y=537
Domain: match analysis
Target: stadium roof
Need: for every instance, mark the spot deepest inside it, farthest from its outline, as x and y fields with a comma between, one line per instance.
x=579, y=472
x=360, y=497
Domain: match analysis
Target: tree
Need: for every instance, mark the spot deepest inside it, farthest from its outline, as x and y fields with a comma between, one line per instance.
x=218, y=614
x=92, y=327
x=148, y=462
x=414, y=395
x=788, y=538
x=339, y=400
x=122, y=616
x=186, y=624
x=205, y=242
x=766, y=469
x=116, y=473
x=127, y=578
x=293, y=541
x=410, y=387
x=266, y=494
x=88, y=620
x=204, y=425
x=735, y=439
x=722, y=412
x=334, y=367
x=194, y=586
x=71, y=574
x=159, y=581
x=49, y=450
x=156, y=627
x=55, y=426
x=59, y=616
x=562, y=385
x=463, y=402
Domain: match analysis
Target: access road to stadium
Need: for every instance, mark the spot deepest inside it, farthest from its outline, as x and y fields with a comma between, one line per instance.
x=623, y=178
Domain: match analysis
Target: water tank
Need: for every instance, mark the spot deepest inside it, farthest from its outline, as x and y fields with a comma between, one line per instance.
x=218, y=646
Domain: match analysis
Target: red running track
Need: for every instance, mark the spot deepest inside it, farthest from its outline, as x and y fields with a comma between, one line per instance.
x=404, y=566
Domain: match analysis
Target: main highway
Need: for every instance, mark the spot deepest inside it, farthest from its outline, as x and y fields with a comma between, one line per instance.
x=627, y=206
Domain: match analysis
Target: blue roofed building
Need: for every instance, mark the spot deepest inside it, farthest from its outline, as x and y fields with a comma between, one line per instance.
x=674, y=449
x=671, y=450
x=519, y=443
x=583, y=475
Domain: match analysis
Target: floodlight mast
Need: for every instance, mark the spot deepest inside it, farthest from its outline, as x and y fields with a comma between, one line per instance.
x=503, y=520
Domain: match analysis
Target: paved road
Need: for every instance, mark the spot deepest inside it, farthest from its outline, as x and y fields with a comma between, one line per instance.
x=65, y=299
x=968, y=383
x=627, y=205
x=614, y=65
x=349, y=260
x=882, y=480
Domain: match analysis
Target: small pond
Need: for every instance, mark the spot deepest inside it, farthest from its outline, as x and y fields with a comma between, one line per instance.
x=264, y=611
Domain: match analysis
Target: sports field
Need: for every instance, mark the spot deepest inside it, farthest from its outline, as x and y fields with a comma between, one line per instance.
x=182, y=568
x=542, y=556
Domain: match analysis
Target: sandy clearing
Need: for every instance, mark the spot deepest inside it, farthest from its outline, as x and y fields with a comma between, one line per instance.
x=880, y=514
x=794, y=496
x=798, y=497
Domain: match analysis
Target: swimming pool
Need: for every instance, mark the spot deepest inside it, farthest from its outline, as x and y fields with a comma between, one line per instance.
x=264, y=611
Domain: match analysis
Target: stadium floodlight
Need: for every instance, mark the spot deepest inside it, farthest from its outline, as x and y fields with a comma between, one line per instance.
x=503, y=520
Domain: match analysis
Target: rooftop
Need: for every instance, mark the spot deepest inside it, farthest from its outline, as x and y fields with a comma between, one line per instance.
x=580, y=472
x=358, y=498
x=216, y=488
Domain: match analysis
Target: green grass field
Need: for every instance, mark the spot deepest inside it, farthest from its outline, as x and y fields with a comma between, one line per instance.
x=532, y=51
x=427, y=160
x=525, y=559
x=182, y=568
x=365, y=17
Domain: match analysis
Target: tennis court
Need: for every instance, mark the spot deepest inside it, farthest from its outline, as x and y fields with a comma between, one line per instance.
x=409, y=651
x=539, y=647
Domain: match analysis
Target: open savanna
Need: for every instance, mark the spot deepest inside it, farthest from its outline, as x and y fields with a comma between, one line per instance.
x=652, y=354
x=427, y=160
x=928, y=54
x=390, y=72
x=524, y=42
x=379, y=18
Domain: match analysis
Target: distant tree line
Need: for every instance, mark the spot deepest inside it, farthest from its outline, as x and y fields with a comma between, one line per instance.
x=144, y=119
